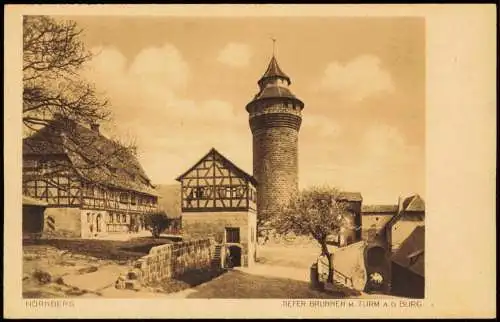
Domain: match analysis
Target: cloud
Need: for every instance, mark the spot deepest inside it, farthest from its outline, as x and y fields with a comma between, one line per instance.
x=380, y=164
x=320, y=126
x=358, y=79
x=151, y=101
x=383, y=143
x=171, y=129
x=164, y=66
x=235, y=55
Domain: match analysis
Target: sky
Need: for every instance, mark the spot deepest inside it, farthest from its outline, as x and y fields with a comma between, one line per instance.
x=178, y=86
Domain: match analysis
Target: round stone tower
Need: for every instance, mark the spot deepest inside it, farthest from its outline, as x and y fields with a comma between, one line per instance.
x=275, y=116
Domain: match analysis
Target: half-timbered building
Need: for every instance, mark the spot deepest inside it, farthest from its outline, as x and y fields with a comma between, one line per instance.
x=91, y=185
x=218, y=200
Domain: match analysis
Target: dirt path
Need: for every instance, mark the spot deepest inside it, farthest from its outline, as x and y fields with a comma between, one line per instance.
x=293, y=273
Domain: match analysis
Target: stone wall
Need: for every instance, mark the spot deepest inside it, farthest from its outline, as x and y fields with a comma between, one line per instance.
x=275, y=166
x=169, y=261
x=62, y=222
x=350, y=262
x=373, y=225
x=213, y=224
x=88, y=218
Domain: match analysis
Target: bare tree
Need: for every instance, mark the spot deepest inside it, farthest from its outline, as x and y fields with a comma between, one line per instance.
x=315, y=211
x=53, y=56
x=56, y=96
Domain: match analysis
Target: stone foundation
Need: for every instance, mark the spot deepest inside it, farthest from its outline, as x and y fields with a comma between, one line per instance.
x=62, y=222
x=213, y=225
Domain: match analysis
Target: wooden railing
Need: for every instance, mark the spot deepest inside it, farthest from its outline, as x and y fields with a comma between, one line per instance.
x=345, y=279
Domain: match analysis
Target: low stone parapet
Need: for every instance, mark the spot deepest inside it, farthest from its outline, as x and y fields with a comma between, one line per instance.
x=169, y=261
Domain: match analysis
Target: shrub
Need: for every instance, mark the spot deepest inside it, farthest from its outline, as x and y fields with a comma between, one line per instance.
x=157, y=222
x=42, y=277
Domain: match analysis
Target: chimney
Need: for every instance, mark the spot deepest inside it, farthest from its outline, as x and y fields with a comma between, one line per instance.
x=94, y=127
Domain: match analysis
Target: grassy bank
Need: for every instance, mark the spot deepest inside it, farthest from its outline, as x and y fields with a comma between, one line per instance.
x=103, y=249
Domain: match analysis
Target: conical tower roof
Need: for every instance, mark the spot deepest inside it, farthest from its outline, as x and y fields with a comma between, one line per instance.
x=269, y=89
x=274, y=70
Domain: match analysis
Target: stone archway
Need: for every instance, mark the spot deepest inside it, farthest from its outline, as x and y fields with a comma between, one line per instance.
x=377, y=268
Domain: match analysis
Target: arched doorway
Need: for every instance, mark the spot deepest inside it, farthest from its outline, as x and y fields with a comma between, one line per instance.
x=234, y=256
x=375, y=256
x=377, y=269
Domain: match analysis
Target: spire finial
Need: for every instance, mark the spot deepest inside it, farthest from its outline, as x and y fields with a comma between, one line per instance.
x=274, y=45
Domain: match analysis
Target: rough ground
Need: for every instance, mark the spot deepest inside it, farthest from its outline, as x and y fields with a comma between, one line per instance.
x=57, y=268
x=67, y=268
x=242, y=285
x=51, y=272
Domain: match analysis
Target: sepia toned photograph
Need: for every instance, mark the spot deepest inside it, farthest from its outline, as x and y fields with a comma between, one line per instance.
x=223, y=158
x=168, y=156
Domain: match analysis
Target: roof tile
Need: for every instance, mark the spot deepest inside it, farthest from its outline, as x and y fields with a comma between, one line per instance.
x=274, y=70
x=93, y=156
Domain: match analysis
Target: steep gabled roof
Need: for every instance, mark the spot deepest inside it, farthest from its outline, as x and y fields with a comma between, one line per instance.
x=411, y=253
x=416, y=203
x=411, y=204
x=91, y=155
x=226, y=162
